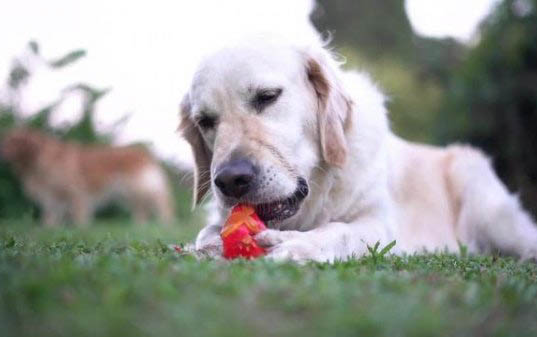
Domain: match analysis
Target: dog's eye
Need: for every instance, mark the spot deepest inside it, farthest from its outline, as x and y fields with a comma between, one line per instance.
x=206, y=122
x=266, y=97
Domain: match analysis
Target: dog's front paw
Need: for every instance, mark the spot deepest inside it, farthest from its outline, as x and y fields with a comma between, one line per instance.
x=289, y=246
x=271, y=237
x=210, y=250
x=296, y=250
x=209, y=243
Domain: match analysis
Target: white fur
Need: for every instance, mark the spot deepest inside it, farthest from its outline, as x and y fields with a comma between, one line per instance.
x=426, y=198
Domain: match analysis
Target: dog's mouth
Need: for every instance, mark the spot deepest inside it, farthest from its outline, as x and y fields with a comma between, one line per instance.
x=285, y=208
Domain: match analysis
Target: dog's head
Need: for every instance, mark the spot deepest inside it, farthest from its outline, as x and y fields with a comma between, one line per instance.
x=20, y=148
x=260, y=120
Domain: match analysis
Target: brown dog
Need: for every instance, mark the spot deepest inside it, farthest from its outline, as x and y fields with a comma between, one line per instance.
x=69, y=179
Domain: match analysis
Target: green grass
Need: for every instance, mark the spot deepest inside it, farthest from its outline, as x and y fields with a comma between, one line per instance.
x=117, y=279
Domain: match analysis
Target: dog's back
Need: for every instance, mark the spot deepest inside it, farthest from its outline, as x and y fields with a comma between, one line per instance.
x=67, y=178
x=131, y=174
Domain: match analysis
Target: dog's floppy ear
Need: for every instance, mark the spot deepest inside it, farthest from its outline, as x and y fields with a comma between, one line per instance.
x=202, y=154
x=334, y=107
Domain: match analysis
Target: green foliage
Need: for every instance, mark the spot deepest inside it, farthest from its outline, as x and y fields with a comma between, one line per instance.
x=180, y=183
x=117, y=280
x=41, y=119
x=413, y=71
x=8, y=119
x=441, y=91
x=358, y=24
x=18, y=75
x=409, y=111
x=68, y=59
x=378, y=256
x=84, y=131
x=34, y=47
x=13, y=203
x=492, y=97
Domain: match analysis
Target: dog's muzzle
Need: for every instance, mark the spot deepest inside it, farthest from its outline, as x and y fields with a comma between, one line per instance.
x=236, y=179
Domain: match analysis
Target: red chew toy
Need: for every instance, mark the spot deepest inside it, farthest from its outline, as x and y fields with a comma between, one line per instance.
x=238, y=232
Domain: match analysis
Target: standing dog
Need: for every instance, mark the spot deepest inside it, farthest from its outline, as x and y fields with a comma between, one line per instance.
x=283, y=128
x=68, y=179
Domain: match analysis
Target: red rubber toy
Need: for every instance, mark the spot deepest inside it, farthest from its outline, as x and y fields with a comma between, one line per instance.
x=239, y=231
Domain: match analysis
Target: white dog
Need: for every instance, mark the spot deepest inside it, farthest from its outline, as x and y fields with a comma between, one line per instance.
x=281, y=127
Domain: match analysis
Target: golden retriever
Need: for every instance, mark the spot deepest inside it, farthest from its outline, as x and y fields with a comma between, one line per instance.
x=69, y=179
x=282, y=127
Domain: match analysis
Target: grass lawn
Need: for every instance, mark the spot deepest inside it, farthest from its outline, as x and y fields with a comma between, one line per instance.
x=118, y=279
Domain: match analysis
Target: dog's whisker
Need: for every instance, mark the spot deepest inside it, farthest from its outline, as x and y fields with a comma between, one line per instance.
x=186, y=176
x=205, y=197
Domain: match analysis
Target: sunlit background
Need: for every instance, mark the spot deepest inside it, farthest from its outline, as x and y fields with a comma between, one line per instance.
x=101, y=72
x=453, y=70
x=146, y=51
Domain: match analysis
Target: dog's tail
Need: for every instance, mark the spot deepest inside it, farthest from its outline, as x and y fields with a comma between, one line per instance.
x=489, y=217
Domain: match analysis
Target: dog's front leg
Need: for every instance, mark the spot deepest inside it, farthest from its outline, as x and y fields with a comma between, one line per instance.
x=209, y=242
x=51, y=217
x=331, y=242
x=80, y=210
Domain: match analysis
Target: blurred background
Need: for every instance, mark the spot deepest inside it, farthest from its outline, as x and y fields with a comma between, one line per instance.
x=114, y=72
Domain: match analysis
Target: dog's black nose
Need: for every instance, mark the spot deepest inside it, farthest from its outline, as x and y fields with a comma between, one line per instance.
x=235, y=178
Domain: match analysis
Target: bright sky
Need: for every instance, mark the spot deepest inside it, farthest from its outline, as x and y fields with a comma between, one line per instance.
x=147, y=51
x=448, y=18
